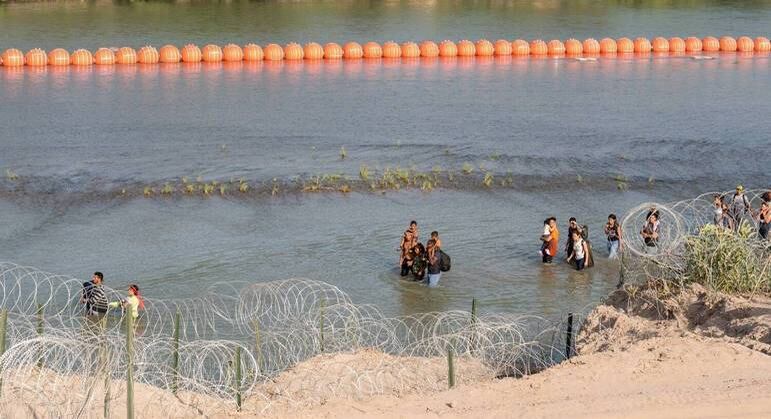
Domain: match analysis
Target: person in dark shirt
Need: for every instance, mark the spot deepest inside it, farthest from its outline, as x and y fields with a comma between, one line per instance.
x=93, y=296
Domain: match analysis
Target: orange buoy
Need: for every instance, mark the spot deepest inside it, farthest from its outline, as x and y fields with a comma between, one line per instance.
x=253, y=52
x=191, y=53
x=556, y=47
x=466, y=48
x=762, y=44
x=169, y=54
x=12, y=57
x=520, y=47
x=36, y=58
x=429, y=49
x=693, y=44
x=502, y=47
x=574, y=47
x=372, y=50
x=727, y=44
x=625, y=46
x=333, y=51
x=538, y=47
x=660, y=44
x=392, y=50
x=676, y=45
x=274, y=52
x=211, y=53
x=232, y=53
x=710, y=44
x=148, y=55
x=313, y=51
x=352, y=50
x=104, y=56
x=745, y=44
x=642, y=45
x=608, y=46
x=484, y=48
x=448, y=49
x=59, y=56
x=591, y=46
x=293, y=51
x=410, y=50
x=81, y=57
x=125, y=55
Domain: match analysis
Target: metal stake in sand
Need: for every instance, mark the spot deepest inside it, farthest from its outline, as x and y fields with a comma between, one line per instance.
x=569, y=337
x=473, y=324
x=257, y=346
x=321, y=324
x=175, y=353
x=237, y=377
x=39, y=313
x=450, y=368
x=129, y=366
x=104, y=355
x=3, y=327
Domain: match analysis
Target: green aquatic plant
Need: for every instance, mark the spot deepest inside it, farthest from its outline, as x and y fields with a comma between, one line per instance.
x=243, y=187
x=167, y=189
x=223, y=189
x=343, y=153
x=208, y=188
x=274, y=190
x=345, y=189
x=184, y=179
x=11, y=175
x=622, y=183
x=189, y=188
x=364, y=173
x=450, y=175
x=436, y=170
x=488, y=180
x=467, y=168
x=651, y=181
x=579, y=179
x=148, y=191
x=495, y=157
x=427, y=185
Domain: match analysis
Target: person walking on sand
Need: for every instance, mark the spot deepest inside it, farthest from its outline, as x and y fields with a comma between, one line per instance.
x=93, y=295
x=134, y=302
x=580, y=251
x=433, y=258
x=613, y=233
x=554, y=240
x=409, y=240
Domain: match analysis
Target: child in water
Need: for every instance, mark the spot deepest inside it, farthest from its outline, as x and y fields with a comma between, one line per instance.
x=435, y=237
x=134, y=301
x=545, y=239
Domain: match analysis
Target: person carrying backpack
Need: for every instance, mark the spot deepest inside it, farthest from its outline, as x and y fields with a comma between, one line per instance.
x=433, y=258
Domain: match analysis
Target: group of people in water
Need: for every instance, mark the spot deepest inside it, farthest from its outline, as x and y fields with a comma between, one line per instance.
x=422, y=261
x=96, y=303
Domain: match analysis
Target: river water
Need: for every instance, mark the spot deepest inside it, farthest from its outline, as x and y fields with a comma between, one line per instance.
x=558, y=136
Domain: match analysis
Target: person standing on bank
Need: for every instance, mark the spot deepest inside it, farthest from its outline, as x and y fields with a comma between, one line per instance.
x=613, y=233
x=93, y=296
x=433, y=258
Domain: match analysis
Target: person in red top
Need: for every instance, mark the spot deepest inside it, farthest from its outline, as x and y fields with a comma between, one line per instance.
x=553, y=241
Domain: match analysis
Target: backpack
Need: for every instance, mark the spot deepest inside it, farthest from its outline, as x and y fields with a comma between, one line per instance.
x=444, y=261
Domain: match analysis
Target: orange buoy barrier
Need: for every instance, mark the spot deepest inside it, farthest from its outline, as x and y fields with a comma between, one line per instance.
x=538, y=47
x=745, y=44
x=211, y=53
x=353, y=50
x=625, y=46
x=392, y=50
x=520, y=47
x=59, y=56
x=502, y=47
x=762, y=44
x=253, y=52
x=642, y=45
x=710, y=44
x=429, y=49
x=148, y=55
x=273, y=52
x=466, y=48
x=484, y=48
x=727, y=44
x=591, y=46
x=293, y=51
x=693, y=44
x=574, y=47
x=660, y=44
x=372, y=50
x=191, y=53
x=125, y=55
x=556, y=47
x=36, y=58
x=448, y=49
x=410, y=50
x=313, y=51
x=169, y=54
x=608, y=46
x=104, y=56
x=81, y=57
x=333, y=51
x=232, y=53
x=12, y=57
x=676, y=45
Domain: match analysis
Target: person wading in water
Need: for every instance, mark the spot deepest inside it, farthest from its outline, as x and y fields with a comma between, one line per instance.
x=554, y=242
x=613, y=233
x=409, y=240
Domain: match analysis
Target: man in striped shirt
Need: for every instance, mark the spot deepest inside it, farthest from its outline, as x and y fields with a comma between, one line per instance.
x=93, y=296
